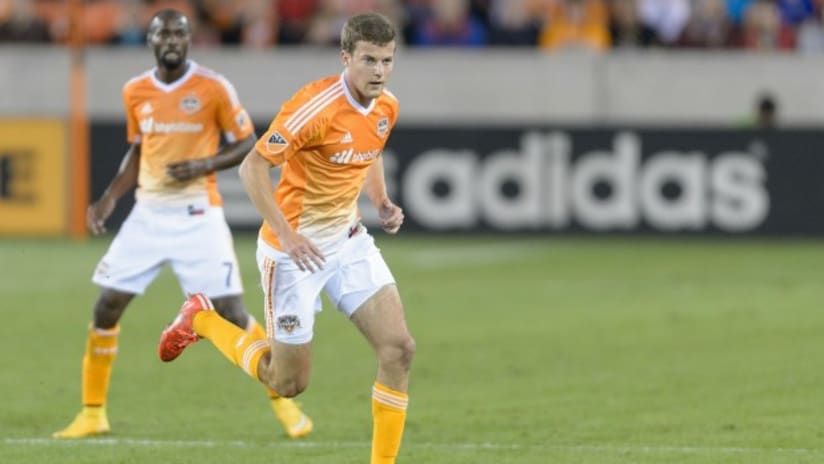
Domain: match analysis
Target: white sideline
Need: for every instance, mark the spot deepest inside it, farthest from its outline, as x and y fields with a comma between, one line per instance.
x=708, y=450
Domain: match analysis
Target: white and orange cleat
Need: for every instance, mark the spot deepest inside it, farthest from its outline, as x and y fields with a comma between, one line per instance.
x=180, y=333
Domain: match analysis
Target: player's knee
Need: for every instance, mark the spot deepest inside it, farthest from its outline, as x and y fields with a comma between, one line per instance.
x=287, y=386
x=399, y=353
x=109, y=307
x=231, y=308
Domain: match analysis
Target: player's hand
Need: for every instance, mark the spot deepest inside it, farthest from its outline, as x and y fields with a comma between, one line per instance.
x=303, y=252
x=391, y=216
x=97, y=213
x=191, y=169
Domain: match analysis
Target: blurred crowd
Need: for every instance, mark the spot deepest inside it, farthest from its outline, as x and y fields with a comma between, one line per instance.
x=791, y=25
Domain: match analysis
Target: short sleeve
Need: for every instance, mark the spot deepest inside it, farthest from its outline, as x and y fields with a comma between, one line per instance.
x=132, y=125
x=233, y=119
x=292, y=129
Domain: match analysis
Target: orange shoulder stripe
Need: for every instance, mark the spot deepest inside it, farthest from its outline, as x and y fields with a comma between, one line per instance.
x=314, y=106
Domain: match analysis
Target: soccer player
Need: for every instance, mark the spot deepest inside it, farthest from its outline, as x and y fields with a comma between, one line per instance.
x=327, y=141
x=175, y=116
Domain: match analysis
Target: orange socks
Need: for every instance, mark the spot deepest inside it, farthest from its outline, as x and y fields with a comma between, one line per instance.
x=242, y=348
x=389, y=417
x=101, y=351
x=253, y=328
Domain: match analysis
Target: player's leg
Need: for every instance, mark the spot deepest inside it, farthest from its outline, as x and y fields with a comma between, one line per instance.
x=211, y=268
x=381, y=320
x=255, y=355
x=365, y=291
x=295, y=422
x=128, y=267
x=98, y=359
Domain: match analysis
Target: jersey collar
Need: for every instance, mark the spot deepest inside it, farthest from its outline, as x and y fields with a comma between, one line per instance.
x=364, y=110
x=173, y=85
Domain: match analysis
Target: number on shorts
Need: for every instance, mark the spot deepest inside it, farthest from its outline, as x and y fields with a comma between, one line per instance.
x=229, y=266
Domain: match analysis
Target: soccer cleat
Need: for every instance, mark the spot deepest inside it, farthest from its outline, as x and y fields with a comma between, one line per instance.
x=180, y=333
x=91, y=421
x=295, y=422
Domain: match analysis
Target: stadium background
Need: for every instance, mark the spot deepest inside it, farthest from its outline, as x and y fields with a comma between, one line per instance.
x=607, y=258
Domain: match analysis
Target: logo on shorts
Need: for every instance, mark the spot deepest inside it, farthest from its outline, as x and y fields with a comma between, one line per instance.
x=276, y=143
x=288, y=322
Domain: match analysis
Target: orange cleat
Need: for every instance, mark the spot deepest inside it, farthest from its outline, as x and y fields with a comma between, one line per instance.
x=180, y=333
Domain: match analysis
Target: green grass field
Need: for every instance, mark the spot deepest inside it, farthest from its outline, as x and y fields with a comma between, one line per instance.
x=530, y=350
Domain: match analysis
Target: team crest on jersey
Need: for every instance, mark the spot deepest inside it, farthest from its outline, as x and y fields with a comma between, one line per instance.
x=383, y=126
x=276, y=143
x=190, y=104
x=288, y=322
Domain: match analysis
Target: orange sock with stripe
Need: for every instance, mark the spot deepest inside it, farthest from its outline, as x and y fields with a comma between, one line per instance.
x=252, y=327
x=101, y=351
x=242, y=348
x=388, y=418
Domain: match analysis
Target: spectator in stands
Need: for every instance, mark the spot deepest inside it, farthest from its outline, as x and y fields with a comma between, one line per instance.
x=736, y=10
x=326, y=25
x=129, y=25
x=18, y=22
x=810, y=36
x=667, y=18
x=449, y=23
x=257, y=20
x=625, y=28
x=293, y=19
x=795, y=11
x=709, y=26
x=513, y=22
x=763, y=30
x=575, y=24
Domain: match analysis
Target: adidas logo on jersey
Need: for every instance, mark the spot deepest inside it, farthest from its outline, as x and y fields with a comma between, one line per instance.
x=349, y=156
x=146, y=108
x=347, y=138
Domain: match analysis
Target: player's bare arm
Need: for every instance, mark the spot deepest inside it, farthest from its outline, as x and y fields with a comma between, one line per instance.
x=254, y=173
x=391, y=215
x=229, y=155
x=123, y=181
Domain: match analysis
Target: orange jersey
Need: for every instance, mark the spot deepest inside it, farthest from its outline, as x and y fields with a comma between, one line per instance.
x=178, y=122
x=325, y=141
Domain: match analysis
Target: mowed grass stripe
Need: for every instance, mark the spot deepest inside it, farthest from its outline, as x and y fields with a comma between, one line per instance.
x=142, y=442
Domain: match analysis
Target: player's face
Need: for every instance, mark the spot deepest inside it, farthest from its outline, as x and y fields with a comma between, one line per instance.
x=369, y=68
x=169, y=38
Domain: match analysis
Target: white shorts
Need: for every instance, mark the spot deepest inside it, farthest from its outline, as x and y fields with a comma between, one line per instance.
x=292, y=297
x=193, y=238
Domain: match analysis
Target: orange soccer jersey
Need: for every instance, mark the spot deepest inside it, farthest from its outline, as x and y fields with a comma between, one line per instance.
x=181, y=121
x=325, y=141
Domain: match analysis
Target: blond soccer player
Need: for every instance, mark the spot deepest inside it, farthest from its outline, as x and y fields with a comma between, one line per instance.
x=176, y=114
x=327, y=140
